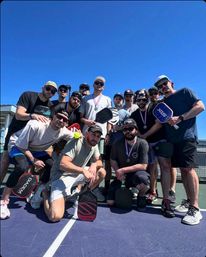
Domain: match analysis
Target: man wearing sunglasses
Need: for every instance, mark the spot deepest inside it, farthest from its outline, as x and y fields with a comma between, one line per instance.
x=63, y=91
x=28, y=147
x=84, y=89
x=130, y=163
x=91, y=104
x=26, y=105
x=129, y=100
x=186, y=106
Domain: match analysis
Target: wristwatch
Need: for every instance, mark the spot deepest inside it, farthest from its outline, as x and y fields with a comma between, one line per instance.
x=181, y=117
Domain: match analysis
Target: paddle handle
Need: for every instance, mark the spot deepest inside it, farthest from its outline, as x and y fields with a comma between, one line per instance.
x=176, y=126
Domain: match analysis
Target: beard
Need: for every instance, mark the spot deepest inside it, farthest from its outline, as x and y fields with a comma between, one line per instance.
x=130, y=137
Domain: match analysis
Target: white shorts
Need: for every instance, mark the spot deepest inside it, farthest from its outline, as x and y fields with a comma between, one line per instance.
x=62, y=187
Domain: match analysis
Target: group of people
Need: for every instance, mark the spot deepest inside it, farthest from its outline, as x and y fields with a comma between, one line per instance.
x=41, y=135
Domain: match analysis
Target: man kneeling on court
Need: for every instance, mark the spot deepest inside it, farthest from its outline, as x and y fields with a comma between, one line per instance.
x=130, y=163
x=70, y=169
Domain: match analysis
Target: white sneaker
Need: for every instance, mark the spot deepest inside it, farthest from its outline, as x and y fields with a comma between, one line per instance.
x=192, y=217
x=4, y=211
x=183, y=207
x=37, y=199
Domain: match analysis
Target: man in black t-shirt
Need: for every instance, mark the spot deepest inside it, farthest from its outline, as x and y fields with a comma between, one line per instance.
x=29, y=107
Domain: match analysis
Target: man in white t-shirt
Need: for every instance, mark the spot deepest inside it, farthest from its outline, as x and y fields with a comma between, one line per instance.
x=90, y=105
x=28, y=147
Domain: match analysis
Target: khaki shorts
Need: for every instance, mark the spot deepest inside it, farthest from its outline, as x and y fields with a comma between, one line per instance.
x=62, y=187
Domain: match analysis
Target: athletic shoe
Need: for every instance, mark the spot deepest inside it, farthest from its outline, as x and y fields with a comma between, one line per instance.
x=192, y=217
x=37, y=199
x=167, y=209
x=4, y=211
x=141, y=203
x=134, y=192
x=183, y=207
x=151, y=197
x=172, y=196
x=98, y=194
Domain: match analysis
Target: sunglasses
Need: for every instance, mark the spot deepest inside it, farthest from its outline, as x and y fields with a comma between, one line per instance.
x=130, y=129
x=60, y=117
x=51, y=89
x=99, y=83
x=63, y=90
x=142, y=100
x=84, y=88
x=161, y=85
x=154, y=93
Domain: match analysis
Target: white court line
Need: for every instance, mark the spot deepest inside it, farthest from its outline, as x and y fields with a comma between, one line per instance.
x=56, y=243
x=159, y=207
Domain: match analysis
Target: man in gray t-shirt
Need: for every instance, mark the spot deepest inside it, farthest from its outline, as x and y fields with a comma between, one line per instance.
x=70, y=170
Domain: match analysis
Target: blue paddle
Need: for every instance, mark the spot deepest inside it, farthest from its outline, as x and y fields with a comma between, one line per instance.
x=163, y=113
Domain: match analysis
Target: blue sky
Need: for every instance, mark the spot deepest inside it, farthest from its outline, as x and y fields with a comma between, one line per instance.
x=129, y=43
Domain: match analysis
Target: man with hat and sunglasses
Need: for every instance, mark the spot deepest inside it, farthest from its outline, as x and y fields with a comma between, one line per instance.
x=84, y=89
x=91, y=104
x=186, y=106
x=130, y=163
x=63, y=91
x=28, y=146
x=129, y=104
x=26, y=106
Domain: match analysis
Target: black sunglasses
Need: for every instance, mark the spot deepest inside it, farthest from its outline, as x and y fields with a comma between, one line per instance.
x=128, y=129
x=60, y=117
x=51, y=89
x=63, y=90
x=99, y=83
x=153, y=93
x=161, y=85
x=142, y=100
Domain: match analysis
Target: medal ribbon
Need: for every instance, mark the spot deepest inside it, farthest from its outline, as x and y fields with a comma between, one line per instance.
x=96, y=102
x=128, y=152
x=144, y=119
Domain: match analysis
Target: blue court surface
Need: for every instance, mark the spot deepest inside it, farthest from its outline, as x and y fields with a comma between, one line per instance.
x=114, y=233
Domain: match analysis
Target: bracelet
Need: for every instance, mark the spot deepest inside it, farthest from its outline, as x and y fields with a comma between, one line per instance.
x=181, y=117
x=30, y=116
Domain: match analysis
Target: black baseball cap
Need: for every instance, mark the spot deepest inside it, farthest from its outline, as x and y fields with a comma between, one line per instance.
x=118, y=94
x=77, y=94
x=95, y=128
x=67, y=87
x=130, y=122
x=84, y=86
x=128, y=92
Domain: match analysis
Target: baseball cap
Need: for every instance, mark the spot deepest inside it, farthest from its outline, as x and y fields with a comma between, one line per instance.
x=118, y=94
x=130, y=122
x=68, y=87
x=95, y=128
x=160, y=80
x=77, y=94
x=100, y=78
x=128, y=92
x=51, y=83
x=84, y=86
x=141, y=94
x=152, y=90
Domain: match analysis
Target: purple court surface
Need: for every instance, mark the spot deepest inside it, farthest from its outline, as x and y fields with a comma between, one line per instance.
x=114, y=233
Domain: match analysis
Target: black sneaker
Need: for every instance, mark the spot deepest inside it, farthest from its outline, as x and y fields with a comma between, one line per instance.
x=141, y=203
x=167, y=209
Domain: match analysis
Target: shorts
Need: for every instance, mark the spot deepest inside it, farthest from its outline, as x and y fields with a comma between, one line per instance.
x=62, y=187
x=152, y=154
x=132, y=180
x=185, y=154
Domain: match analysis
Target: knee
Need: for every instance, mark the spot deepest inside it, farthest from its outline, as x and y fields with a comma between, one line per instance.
x=102, y=173
x=55, y=217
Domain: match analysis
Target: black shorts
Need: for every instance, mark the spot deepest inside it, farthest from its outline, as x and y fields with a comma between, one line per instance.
x=185, y=154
